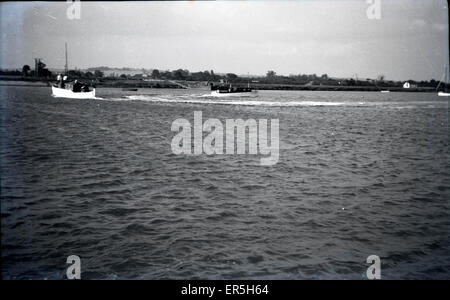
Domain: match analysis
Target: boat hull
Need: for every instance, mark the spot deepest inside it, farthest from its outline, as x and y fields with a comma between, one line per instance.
x=237, y=94
x=443, y=94
x=64, y=93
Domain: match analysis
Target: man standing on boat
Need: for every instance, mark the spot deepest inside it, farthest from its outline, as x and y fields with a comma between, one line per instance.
x=60, y=80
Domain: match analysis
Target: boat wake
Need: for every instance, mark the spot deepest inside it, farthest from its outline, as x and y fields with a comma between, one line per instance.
x=207, y=99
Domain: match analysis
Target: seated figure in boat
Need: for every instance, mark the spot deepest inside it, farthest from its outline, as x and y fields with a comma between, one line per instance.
x=76, y=88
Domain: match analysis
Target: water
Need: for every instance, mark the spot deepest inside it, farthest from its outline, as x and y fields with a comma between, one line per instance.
x=358, y=174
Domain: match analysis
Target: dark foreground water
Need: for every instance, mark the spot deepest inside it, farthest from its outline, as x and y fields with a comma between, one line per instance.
x=358, y=174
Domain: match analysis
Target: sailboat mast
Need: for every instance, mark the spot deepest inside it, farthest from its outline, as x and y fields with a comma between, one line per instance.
x=445, y=93
x=66, y=67
x=446, y=76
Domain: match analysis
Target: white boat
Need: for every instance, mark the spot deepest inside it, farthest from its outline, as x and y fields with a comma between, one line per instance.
x=386, y=91
x=443, y=80
x=68, y=93
x=65, y=93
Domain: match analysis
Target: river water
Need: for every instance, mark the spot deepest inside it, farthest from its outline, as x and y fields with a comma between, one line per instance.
x=358, y=174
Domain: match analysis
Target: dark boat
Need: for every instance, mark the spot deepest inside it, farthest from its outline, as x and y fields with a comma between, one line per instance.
x=220, y=91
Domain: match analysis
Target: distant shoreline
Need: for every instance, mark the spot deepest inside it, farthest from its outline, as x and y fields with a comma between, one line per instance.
x=179, y=84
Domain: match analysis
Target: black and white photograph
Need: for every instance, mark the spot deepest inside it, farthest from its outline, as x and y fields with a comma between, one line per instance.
x=225, y=141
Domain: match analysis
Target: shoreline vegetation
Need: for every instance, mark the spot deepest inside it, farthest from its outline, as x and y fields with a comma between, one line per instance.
x=104, y=77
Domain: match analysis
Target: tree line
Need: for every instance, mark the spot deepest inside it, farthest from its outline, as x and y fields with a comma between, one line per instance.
x=271, y=77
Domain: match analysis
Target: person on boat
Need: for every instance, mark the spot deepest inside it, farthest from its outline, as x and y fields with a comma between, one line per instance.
x=85, y=88
x=76, y=87
x=60, y=80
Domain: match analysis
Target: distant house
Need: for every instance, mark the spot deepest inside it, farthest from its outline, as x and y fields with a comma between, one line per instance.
x=408, y=85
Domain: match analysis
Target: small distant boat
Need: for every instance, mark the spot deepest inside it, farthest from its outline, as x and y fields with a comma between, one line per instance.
x=232, y=91
x=445, y=92
x=222, y=93
x=65, y=93
x=386, y=91
x=129, y=89
x=444, y=80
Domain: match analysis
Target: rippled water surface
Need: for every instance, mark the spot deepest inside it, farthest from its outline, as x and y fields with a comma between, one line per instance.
x=358, y=174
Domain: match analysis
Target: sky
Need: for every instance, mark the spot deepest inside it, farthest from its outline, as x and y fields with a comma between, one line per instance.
x=335, y=37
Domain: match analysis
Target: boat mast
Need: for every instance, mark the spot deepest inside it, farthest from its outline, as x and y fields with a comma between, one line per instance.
x=448, y=62
x=66, y=67
x=447, y=65
x=446, y=78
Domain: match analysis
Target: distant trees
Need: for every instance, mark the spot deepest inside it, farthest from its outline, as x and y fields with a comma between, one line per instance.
x=231, y=76
x=155, y=74
x=432, y=83
x=96, y=73
x=26, y=70
x=350, y=82
x=99, y=74
x=271, y=74
x=11, y=72
x=180, y=74
x=75, y=74
x=200, y=76
x=40, y=69
x=78, y=74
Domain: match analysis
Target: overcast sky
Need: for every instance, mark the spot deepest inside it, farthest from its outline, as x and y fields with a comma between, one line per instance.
x=410, y=41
